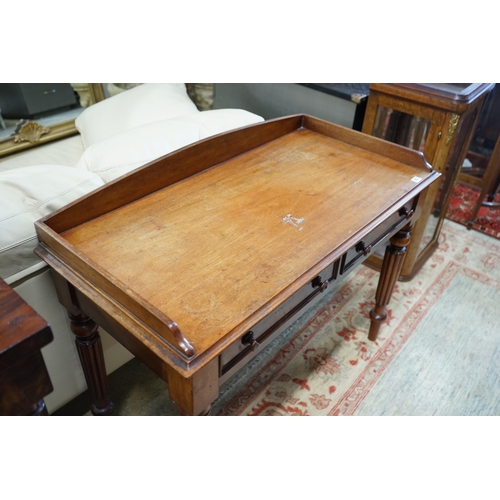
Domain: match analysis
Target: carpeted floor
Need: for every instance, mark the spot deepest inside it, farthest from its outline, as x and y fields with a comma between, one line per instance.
x=462, y=205
x=439, y=353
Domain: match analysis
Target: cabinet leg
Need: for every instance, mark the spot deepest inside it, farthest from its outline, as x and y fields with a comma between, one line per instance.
x=391, y=268
x=88, y=344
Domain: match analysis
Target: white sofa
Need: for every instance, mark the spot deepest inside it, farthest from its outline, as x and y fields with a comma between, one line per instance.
x=116, y=136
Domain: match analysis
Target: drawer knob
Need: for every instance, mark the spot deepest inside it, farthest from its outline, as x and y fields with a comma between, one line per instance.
x=323, y=285
x=360, y=247
x=249, y=340
x=404, y=212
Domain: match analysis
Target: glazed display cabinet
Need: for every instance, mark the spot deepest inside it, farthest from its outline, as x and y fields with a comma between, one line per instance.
x=439, y=120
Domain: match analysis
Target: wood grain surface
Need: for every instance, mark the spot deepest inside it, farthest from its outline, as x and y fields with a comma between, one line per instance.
x=216, y=248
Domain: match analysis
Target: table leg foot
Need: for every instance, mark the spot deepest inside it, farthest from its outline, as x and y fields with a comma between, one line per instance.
x=391, y=268
x=89, y=347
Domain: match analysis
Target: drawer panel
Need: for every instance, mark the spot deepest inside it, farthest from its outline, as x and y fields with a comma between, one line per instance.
x=377, y=237
x=240, y=352
x=42, y=97
x=29, y=100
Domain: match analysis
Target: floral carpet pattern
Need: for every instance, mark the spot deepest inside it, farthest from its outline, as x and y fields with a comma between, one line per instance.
x=325, y=365
x=462, y=205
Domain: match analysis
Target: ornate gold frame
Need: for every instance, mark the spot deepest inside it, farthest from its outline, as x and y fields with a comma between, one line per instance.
x=32, y=134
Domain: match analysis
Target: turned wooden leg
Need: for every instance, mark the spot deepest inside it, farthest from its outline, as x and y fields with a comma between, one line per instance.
x=391, y=268
x=490, y=183
x=88, y=344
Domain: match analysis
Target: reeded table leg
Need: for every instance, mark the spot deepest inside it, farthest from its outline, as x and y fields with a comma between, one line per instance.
x=88, y=344
x=391, y=268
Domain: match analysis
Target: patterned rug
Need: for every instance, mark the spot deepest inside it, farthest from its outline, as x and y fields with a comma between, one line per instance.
x=462, y=204
x=328, y=367
x=438, y=354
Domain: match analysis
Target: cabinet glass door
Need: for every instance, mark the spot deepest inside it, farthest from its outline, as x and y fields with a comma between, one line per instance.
x=412, y=132
x=401, y=128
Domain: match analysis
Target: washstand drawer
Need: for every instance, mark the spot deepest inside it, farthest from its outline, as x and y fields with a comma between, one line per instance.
x=241, y=351
x=361, y=250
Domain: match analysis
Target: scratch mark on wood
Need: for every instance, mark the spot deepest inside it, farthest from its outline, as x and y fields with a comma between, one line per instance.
x=294, y=221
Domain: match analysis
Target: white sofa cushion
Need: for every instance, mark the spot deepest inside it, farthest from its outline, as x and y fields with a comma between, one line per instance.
x=130, y=149
x=149, y=102
x=217, y=121
x=65, y=152
x=26, y=195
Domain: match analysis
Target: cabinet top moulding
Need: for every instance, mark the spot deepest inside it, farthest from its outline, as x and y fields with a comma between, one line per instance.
x=454, y=97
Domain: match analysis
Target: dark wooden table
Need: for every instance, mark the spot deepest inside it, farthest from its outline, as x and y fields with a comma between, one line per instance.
x=197, y=260
x=24, y=380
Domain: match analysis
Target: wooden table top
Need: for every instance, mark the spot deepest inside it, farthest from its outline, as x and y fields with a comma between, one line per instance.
x=217, y=251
